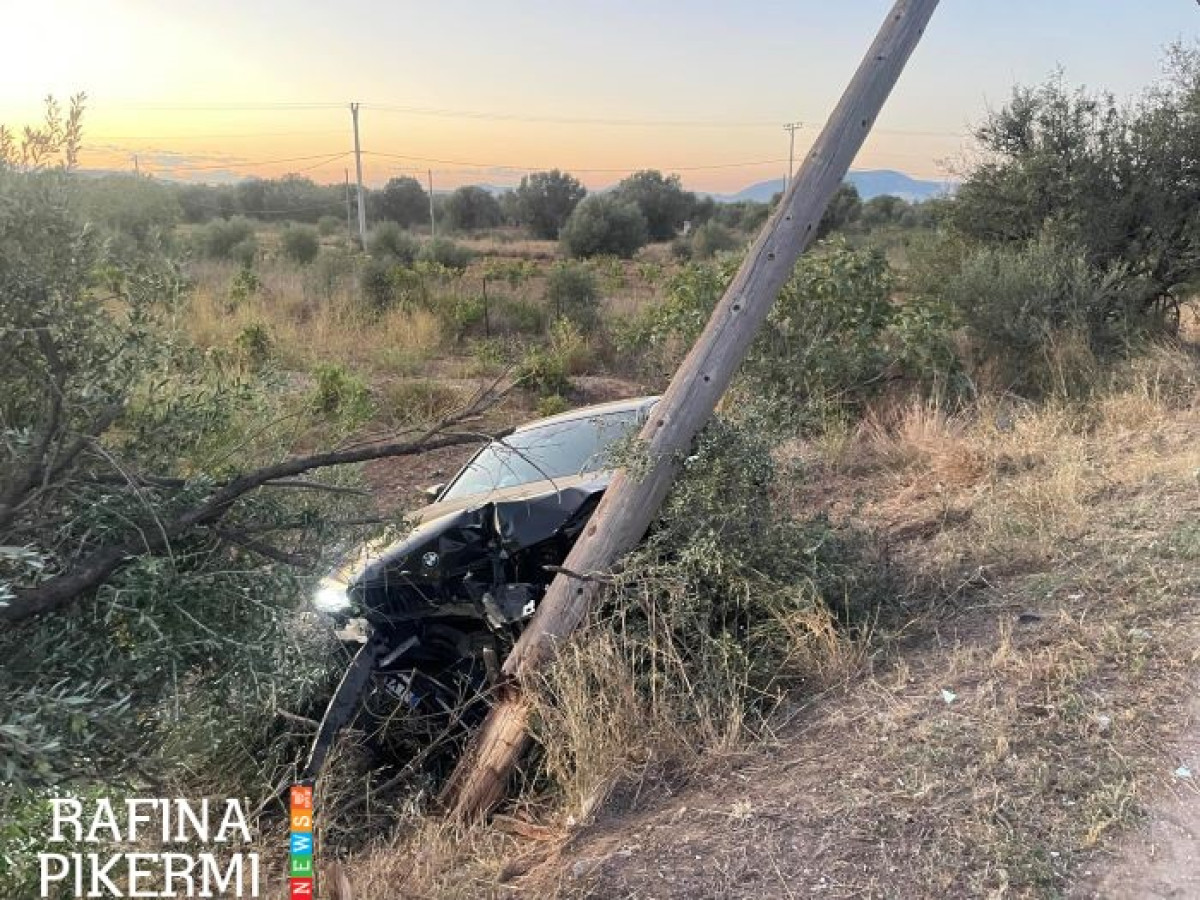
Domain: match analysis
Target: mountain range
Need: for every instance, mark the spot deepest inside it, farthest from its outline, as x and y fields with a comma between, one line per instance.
x=870, y=183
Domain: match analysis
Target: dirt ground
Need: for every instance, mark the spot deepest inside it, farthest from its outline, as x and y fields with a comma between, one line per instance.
x=1042, y=739
x=1161, y=861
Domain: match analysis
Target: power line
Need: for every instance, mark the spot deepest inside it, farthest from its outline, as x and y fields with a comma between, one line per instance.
x=326, y=157
x=617, y=169
x=211, y=135
x=450, y=113
x=565, y=120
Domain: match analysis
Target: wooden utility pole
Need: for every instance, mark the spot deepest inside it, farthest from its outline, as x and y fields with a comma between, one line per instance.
x=630, y=503
x=362, y=200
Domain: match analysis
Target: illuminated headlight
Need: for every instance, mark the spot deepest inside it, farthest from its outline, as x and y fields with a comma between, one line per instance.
x=331, y=596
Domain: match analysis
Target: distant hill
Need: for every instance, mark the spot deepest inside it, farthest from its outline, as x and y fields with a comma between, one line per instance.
x=870, y=183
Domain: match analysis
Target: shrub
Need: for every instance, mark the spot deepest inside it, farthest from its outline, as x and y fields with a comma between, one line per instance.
x=339, y=393
x=547, y=369
x=724, y=609
x=227, y=239
x=377, y=287
x=571, y=293
x=389, y=241
x=1020, y=302
x=604, y=224
x=333, y=268
x=833, y=338
x=300, y=243
x=552, y=405
x=710, y=239
x=254, y=345
x=458, y=313
x=446, y=252
x=521, y=315
x=424, y=400
x=328, y=226
x=245, y=284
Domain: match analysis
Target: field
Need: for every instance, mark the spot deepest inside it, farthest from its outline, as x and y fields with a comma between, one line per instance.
x=1012, y=701
x=916, y=618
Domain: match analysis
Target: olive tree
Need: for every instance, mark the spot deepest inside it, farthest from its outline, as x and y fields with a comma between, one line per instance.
x=604, y=224
x=545, y=201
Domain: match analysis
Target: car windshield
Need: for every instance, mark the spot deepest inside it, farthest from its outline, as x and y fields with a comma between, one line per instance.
x=556, y=450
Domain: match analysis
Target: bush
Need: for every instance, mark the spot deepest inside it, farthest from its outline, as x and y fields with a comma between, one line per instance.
x=388, y=240
x=328, y=226
x=332, y=270
x=602, y=224
x=571, y=293
x=728, y=606
x=340, y=394
x=377, y=285
x=300, y=243
x=710, y=239
x=833, y=338
x=254, y=345
x=227, y=239
x=446, y=252
x=245, y=284
x=547, y=369
x=1021, y=302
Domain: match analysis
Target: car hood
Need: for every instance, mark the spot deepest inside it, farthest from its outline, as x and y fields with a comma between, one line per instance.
x=448, y=539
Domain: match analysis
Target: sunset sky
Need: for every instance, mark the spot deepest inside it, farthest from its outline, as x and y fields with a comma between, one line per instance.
x=481, y=91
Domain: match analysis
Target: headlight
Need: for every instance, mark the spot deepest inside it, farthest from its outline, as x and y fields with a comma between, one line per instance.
x=331, y=596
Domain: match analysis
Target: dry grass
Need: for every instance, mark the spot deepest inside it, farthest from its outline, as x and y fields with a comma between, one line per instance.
x=989, y=746
x=308, y=326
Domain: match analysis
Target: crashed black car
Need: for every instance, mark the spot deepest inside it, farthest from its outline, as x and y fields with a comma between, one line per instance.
x=437, y=610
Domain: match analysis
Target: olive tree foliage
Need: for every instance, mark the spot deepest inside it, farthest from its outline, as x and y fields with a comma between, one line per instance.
x=661, y=199
x=604, y=224
x=471, y=207
x=402, y=201
x=1122, y=183
x=833, y=339
x=151, y=533
x=545, y=200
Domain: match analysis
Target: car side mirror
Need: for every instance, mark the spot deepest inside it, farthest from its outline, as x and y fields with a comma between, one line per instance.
x=433, y=491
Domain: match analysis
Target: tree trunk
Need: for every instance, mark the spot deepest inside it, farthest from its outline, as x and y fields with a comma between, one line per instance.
x=630, y=504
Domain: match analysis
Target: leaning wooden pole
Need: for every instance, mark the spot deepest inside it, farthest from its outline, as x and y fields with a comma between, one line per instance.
x=630, y=504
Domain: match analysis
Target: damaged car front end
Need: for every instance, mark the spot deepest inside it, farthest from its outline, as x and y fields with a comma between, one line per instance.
x=436, y=611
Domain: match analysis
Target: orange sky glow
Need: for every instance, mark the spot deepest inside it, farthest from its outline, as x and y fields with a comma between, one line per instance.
x=217, y=90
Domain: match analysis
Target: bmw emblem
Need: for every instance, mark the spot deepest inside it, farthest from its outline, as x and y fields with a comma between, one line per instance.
x=429, y=560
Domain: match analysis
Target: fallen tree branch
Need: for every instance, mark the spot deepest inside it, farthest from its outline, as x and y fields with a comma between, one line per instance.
x=92, y=571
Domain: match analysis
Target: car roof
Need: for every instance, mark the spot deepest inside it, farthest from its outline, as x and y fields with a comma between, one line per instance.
x=587, y=412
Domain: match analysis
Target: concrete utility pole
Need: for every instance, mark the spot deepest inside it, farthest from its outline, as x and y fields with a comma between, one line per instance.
x=432, y=221
x=631, y=502
x=349, y=227
x=362, y=204
x=790, y=128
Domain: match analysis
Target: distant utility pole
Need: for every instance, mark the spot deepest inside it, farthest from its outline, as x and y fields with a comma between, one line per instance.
x=136, y=170
x=790, y=128
x=349, y=227
x=362, y=206
x=432, y=222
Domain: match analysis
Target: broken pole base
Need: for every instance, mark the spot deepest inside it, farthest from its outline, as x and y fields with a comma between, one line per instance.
x=478, y=787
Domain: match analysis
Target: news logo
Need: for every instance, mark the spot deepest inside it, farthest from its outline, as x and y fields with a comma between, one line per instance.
x=300, y=843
